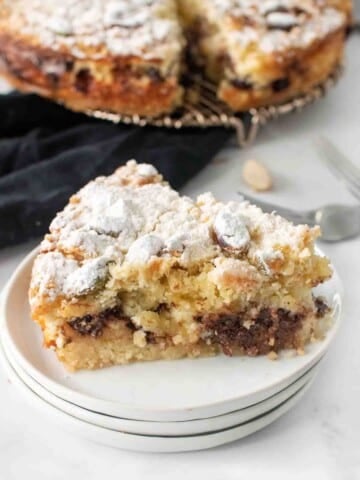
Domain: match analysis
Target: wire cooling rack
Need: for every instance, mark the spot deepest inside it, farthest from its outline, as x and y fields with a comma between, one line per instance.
x=202, y=108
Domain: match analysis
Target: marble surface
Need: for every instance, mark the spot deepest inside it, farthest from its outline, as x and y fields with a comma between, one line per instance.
x=320, y=438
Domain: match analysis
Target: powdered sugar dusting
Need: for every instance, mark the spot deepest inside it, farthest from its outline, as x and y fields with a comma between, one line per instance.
x=50, y=272
x=87, y=242
x=231, y=230
x=87, y=277
x=146, y=170
x=144, y=248
x=94, y=28
x=278, y=25
x=120, y=221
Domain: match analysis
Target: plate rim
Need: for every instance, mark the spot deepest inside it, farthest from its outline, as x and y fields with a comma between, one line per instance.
x=74, y=410
x=111, y=407
x=143, y=442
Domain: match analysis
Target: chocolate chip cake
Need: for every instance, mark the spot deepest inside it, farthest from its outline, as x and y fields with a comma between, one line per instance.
x=128, y=56
x=132, y=271
x=117, y=55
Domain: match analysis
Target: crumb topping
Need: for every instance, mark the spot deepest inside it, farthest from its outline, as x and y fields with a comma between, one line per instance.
x=230, y=229
x=131, y=217
x=277, y=25
x=94, y=28
x=151, y=29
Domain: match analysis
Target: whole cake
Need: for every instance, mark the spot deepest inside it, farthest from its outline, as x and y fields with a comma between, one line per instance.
x=132, y=271
x=128, y=56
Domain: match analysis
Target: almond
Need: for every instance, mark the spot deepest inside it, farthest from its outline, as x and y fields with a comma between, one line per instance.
x=231, y=230
x=257, y=176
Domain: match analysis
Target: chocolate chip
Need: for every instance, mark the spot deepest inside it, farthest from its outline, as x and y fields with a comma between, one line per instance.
x=280, y=84
x=150, y=338
x=88, y=325
x=154, y=74
x=93, y=325
x=131, y=325
x=299, y=11
x=242, y=83
x=83, y=80
x=350, y=29
x=111, y=312
x=265, y=318
x=162, y=307
x=253, y=333
x=53, y=78
x=248, y=21
x=69, y=64
x=321, y=307
x=223, y=59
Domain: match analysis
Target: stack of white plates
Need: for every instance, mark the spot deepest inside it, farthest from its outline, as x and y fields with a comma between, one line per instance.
x=158, y=406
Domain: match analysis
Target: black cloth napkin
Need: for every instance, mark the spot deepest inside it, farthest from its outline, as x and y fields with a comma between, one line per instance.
x=47, y=153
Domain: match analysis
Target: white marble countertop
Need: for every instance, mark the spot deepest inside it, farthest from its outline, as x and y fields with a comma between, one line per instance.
x=320, y=438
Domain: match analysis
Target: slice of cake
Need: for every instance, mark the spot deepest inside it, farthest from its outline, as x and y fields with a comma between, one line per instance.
x=112, y=55
x=133, y=271
x=264, y=52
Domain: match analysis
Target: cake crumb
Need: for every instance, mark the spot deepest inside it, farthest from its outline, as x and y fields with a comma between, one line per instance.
x=289, y=354
x=177, y=339
x=139, y=338
x=272, y=355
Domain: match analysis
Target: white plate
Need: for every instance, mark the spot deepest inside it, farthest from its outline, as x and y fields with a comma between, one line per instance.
x=156, y=391
x=148, y=443
x=192, y=427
